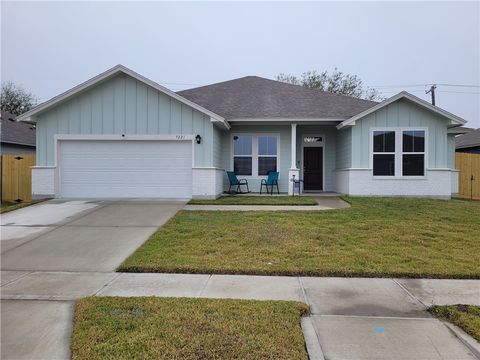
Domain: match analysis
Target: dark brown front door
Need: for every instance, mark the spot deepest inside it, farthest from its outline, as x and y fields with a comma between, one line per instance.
x=313, y=168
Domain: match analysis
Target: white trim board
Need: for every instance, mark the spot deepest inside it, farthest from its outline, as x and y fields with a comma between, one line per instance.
x=455, y=120
x=108, y=74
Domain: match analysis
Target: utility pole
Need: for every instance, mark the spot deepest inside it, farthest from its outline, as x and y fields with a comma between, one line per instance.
x=432, y=91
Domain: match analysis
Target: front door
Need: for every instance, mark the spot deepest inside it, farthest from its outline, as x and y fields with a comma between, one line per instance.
x=313, y=168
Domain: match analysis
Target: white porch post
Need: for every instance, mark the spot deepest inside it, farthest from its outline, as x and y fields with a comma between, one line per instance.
x=293, y=166
x=294, y=147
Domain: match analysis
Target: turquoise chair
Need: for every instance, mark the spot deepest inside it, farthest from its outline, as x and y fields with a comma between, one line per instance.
x=236, y=182
x=272, y=180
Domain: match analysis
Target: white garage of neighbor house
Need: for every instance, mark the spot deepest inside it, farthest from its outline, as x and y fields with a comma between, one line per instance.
x=120, y=134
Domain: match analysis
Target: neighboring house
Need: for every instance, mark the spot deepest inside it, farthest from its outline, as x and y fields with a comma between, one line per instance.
x=16, y=137
x=123, y=135
x=468, y=142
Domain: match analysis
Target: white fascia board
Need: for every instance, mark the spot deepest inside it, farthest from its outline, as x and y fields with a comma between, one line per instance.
x=220, y=123
x=455, y=120
x=285, y=120
x=110, y=73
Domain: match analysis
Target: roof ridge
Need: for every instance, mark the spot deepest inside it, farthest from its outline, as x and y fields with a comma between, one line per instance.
x=328, y=93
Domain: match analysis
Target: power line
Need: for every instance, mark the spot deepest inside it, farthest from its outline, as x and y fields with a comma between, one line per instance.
x=458, y=92
x=420, y=85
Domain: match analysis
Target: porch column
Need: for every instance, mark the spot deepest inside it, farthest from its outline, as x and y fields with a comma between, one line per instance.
x=293, y=171
x=294, y=147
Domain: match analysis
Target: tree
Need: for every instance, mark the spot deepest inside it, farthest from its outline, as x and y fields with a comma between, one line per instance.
x=336, y=82
x=15, y=99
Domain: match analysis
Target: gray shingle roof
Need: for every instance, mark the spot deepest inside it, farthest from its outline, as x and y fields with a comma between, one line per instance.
x=471, y=139
x=256, y=97
x=15, y=132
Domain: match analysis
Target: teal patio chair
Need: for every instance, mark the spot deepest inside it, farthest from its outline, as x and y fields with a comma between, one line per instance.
x=234, y=181
x=272, y=180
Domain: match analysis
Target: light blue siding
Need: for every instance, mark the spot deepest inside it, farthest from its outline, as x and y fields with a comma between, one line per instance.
x=344, y=149
x=284, y=131
x=217, y=148
x=123, y=105
x=451, y=151
x=402, y=113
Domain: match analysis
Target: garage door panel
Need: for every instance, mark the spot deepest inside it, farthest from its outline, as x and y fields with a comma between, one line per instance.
x=126, y=169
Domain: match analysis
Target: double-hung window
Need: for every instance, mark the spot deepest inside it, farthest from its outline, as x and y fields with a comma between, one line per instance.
x=384, y=153
x=267, y=154
x=398, y=152
x=242, y=154
x=413, y=153
x=255, y=155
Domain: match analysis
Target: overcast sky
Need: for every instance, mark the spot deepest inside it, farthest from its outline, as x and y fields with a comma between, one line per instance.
x=48, y=47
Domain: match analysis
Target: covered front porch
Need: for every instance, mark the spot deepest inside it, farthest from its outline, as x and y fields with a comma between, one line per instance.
x=304, y=149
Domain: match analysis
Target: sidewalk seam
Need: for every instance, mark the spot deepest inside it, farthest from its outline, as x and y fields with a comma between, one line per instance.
x=409, y=293
x=18, y=278
x=205, y=286
x=108, y=283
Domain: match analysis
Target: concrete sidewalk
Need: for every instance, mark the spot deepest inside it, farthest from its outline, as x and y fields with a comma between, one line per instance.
x=377, y=318
x=323, y=203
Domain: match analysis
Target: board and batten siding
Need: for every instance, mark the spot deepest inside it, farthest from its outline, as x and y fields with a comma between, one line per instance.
x=217, y=148
x=451, y=151
x=123, y=105
x=344, y=149
x=401, y=113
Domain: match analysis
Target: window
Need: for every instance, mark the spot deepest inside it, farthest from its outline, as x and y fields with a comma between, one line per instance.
x=384, y=153
x=413, y=153
x=267, y=154
x=255, y=155
x=242, y=155
x=398, y=152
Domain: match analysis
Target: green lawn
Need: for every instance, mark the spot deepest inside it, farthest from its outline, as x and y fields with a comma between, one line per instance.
x=465, y=316
x=257, y=200
x=376, y=237
x=7, y=206
x=173, y=328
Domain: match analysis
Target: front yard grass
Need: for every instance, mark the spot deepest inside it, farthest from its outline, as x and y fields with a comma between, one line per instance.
x=175, y=328
x=466, y=317
x=376, y=237
x=257, y=200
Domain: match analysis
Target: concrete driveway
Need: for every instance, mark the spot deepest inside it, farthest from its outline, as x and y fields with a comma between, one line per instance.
x=87, y=236
x=44, y=243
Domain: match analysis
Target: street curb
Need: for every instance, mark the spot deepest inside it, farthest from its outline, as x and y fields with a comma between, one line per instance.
x=472, y=344
x=312, y=343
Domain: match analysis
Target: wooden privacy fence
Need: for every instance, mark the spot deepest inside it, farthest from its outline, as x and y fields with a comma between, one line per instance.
x=469, y=176
x=17, y=177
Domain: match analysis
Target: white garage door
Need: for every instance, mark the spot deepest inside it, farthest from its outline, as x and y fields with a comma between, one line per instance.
x=121, y=169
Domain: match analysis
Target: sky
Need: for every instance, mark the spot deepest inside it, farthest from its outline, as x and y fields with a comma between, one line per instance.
x=49, y=47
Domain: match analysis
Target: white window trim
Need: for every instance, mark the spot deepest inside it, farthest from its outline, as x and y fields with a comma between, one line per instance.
x=398, y=152
x=255, y=154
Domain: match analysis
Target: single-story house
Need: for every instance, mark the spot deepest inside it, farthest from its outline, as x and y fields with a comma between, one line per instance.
x=120, y=134
x=468, y=142
x=16, y=137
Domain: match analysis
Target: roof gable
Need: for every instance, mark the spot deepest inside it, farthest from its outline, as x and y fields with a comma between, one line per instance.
x=253, y=97
x=455, y=120
x=108, y=75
